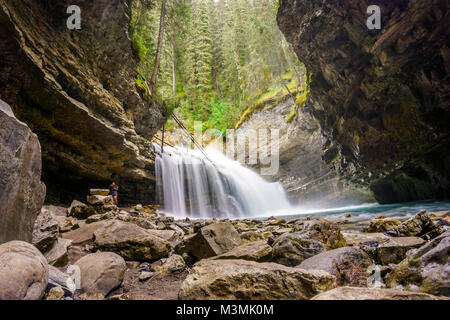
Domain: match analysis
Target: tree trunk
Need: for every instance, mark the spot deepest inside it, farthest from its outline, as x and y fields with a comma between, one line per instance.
x=158, y=50
x=174, y=80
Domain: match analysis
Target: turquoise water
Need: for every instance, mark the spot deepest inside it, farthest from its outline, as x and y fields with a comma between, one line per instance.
x=367, y=211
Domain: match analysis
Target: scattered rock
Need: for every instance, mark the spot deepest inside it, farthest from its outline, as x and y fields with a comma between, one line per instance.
x=175, y=263
x=353, y=293
x=250, y=236
x=92, y=296
x=168, y=235
x=80, y=210
x=249, y=280
x=97, y=200
x=101, y=272
x=57, y=256
x=390, y=250
x=84, y=234
x=45, y=231
x=146, y=275
x=55, y=293
x=348, y=264
x=101, y=216
x=291, y=249
x=418, y=225
x=323, y=231
x=258, y=251
x=210, y=240
x=357, y=238
x=67, y=224
x=382, y=225
x=23, y=272
x=426, y=268
x=141, y=222
x=130, y=241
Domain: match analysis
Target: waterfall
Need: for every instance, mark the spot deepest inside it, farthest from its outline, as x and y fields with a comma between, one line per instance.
x=189, y=184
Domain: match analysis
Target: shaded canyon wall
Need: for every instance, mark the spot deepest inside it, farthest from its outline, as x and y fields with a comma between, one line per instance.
x=380, y=96
x=75, y=89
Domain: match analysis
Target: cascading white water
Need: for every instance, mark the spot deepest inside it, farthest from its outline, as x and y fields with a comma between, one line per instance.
x=191, y=185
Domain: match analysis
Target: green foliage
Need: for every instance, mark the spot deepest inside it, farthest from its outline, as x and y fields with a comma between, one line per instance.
x=293, y=114
x=221, y=59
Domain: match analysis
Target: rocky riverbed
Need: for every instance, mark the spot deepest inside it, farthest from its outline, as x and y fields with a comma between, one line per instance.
x=95, y=250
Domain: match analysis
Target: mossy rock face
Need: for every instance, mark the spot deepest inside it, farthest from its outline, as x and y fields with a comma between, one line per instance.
x=348, y=264
x=87, y=112
x=130, y=241
x=426, y=268
x=290, y=249
x=322, y=230
x=381, y=99
x=382, y=225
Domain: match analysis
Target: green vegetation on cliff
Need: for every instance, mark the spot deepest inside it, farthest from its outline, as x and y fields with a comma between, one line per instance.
x=220, y=59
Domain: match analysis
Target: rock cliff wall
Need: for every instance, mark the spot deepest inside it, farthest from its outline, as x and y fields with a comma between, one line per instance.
x=76, y=91
x=308, y=179
x=381, y=96
x=21, y=191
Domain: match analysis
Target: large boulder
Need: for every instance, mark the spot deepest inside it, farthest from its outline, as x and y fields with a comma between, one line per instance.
x=175, y=263
x=84, y=234
x=390, y=250
x=210, y=240
x=101, y=272
x=80, y=211
x=355, y=238
x=354, y=293
x=130, y=241
x=291, y=249
x=258, y=251
x=21, y=191
x=322, y=230
x=45, y=232
x=418, y=225
x=97, y=200
x=67, y=224
x=23, y=272
x=348, y=264
x=383, y=225
x=249, y=280
x=426, y=268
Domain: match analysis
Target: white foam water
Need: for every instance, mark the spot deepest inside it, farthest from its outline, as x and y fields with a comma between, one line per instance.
x=190, y=184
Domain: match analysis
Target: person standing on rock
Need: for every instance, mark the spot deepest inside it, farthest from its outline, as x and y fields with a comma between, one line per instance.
x=114, y=192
